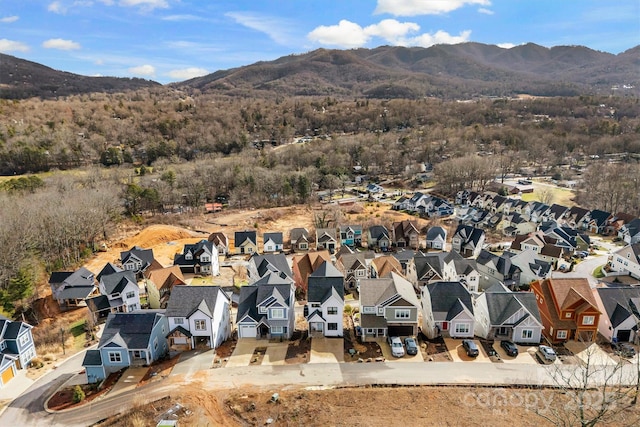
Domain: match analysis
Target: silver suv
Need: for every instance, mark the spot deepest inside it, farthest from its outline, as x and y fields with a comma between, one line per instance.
x=546, y=353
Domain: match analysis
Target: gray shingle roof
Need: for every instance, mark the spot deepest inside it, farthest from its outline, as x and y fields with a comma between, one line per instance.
x=130, y=330
x=92, y=358
x=184, y=300
x=145, y=255
x=503, y=305
x=108, y=269
x=271, y=262
x=320, y=282
x=445, y=296
x=241, y=236
x=254, y=295
x=620, y=302
x=78, y=292
x=435, y=232
x=276, y=237
x=116, y=282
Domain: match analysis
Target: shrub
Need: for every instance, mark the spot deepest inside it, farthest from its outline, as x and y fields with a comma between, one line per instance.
x=78, y=394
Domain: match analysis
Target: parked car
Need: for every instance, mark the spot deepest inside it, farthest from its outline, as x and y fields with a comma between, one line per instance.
x=397, y=349
x=546, y=353
x=471, y=348
x=510, y=348
x=411, y=346
x=623, y=349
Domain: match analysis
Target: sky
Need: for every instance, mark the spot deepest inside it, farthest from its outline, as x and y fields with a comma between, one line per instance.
x=174, y=40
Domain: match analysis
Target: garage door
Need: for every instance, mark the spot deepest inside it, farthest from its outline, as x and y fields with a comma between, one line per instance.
x=247, y=331
x=400, y=331
x=7, y=375
x=624, y=335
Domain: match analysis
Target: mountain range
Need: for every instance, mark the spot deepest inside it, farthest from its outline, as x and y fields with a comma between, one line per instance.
x=444, y=71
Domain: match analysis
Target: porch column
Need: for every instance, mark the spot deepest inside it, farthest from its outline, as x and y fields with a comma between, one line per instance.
x=146, y=356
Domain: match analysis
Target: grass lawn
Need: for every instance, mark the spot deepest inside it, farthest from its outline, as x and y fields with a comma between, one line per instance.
x=597, y=273
x=561, y=196
x=79, y=334
x=202, y=281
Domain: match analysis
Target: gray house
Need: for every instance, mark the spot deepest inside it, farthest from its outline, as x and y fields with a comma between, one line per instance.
x=119, y=292
x=260, y=265
x=447, y=310
x=378, y=237
x=71, y=288
x=436, y=238
x=128, y=339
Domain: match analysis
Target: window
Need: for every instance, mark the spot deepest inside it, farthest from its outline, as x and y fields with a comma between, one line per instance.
x=3, y=345
x=303, y=246
x=178, y=320
x=463, y=328
x=24, y=339
x=588, y=320
x=332, y=326
x=561, y=335
x=115, y=357
x=200, y=325
x=277, y=313
x=403, y=313
x=315, y=305
x=360, y=273
x=502, y=331
x=155, y=343
x=132, y=307
x=277, y=330
x=567, y=315
x=131, y=295
x=332, y=310
x=369, y=310
x=527, y=334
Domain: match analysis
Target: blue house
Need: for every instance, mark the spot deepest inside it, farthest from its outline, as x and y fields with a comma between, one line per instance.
x=129, y=339
x=351, y=235
x=16, y=348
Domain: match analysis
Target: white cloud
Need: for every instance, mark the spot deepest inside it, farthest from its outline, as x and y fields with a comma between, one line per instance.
x=187, y=73
x=61, y=44
x=145, y=4
x=178, y=18
x=349, y=35
x=9, y=19
x=506, y=45
x=56, y=7
x=12, y=46
x=485, y=11
x=423, y=7
x=346, y=34
x=275, y=28
x=143, y=70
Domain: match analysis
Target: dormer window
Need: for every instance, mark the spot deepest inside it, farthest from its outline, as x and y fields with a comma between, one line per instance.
x=188, y=256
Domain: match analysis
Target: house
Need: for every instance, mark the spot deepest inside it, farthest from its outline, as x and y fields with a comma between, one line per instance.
x=388, y=307
x=260, y=265
x=119, y=293
x=404, y=257
x=576, y=217
x=138, y=260
x=468, y=241
x=383, y=266
x=198, y=315
x=620, y=308
x=198, y=258
x=374, y=188
x=326, y=239
x=304, y=265
x=616, y=222
x=272, y=242
x=266, y=308
x=495, y=269
x=542, y=245
x=355, y=267
x=378, y=238
x=299, y=239
x=325, y=301
x=17, y=348
x=436, y=238
x=568, y=309
x=245, y=242
x=555, y=213
x=109, y=268
x=160, y=282
x=443, y=266
x=128, y=339
x=598, y=220
x=71, y=288
x=626, y=260
x=220, y=241
x=630, y=232
x=505, y=315
x=515, y=224
x=531, y=267
x=406, y=234
x=351, y=235
x=447, y=310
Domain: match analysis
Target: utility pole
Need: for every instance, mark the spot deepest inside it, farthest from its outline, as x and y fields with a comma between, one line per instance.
x=62, y=337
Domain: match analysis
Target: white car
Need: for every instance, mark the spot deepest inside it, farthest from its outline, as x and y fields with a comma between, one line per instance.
x=546, y=353
x=397, y=349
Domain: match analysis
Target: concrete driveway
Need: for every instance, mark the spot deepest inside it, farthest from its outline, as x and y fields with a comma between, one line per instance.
x=590, y=353
x=276, y=353
x=326, y=350
x=243, y=352
x=526, y=354
x=458, y=354
x=386, y=352
x=129, y=380
x=193, y=361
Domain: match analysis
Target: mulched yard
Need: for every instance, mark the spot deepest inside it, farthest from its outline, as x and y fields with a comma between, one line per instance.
x=258, y=356
x=434, y=350
x=63, y=398
x=159, y=370
x=299, y=348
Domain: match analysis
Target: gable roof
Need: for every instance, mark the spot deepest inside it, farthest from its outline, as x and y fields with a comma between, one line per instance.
x=166, y=277
x=386, y=264
x=447, y=295
x=378, y=232
x=308, y=262
x=504, y=304
x=502, y=263
x=436, y=232
x=252, y=296
x=109, y=268
x=275, y=237
x=375, y=292
x=196, y=250
x=79, y=278
x=599, y=217
x=469, y=234
x=144, y=255
x=130, y=330
x=271, y=263
x=298, y=233
x=116, y=282
x=620, y=302
x=570, y=290
x=322, y=280
x=240, y=237
x=219, y=238
x=185, y=300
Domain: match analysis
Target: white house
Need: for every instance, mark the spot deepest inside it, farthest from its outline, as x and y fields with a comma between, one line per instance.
x=620, y=319
x=325, y=301
x=447, y=310
x=627, y=260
